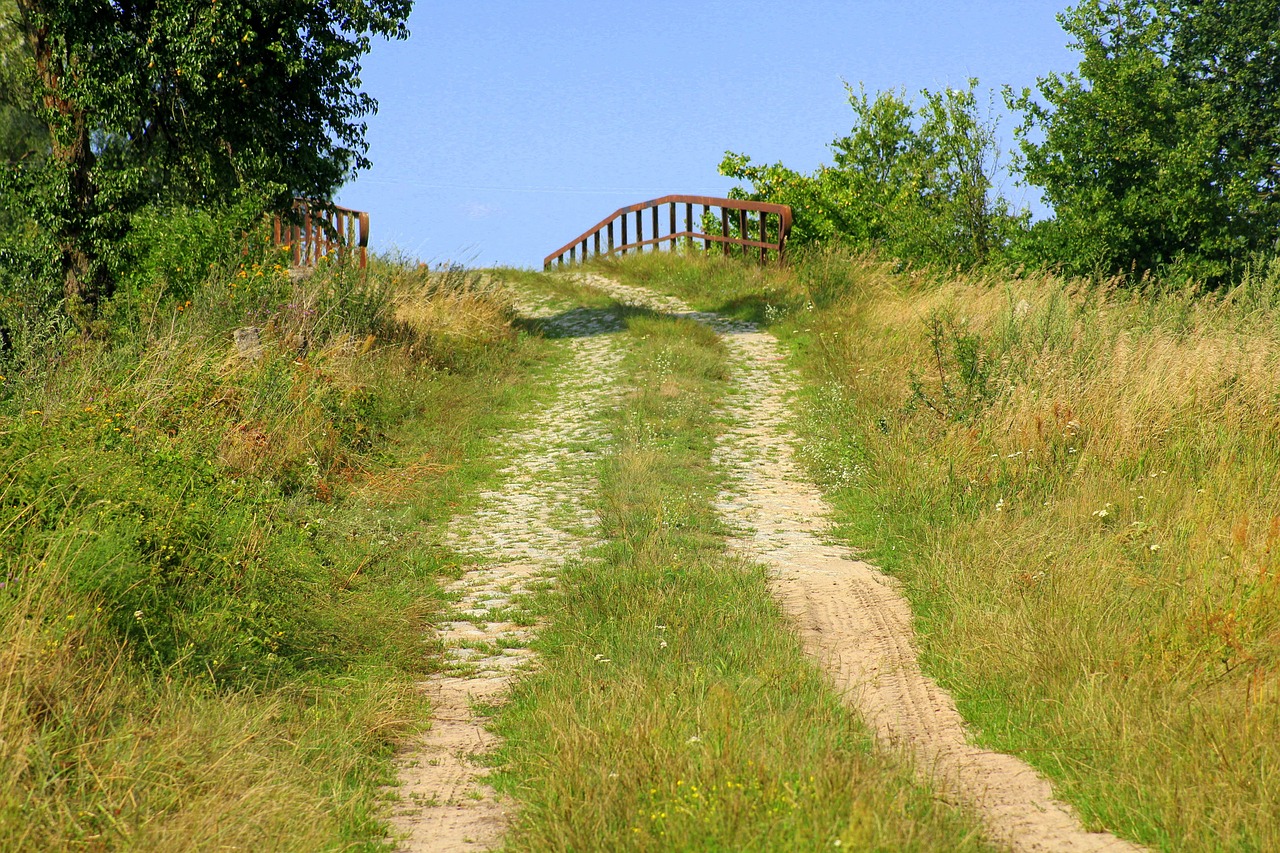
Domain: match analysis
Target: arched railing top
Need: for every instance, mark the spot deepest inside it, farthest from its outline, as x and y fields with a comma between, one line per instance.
x=748, y=226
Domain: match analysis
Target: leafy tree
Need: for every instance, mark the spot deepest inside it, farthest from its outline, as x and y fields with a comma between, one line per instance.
x=189, y=102
x=1164, y=146
x=915, y=181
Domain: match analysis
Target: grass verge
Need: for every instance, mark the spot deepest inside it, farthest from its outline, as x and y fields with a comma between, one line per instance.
x=672, y=708
x=1079, y=486
x=218, y=572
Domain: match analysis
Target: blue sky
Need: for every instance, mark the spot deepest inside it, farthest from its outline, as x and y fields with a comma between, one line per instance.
x=506, y=128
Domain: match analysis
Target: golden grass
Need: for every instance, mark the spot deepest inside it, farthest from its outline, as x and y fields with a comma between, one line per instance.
x=1087, y=524
x=173, y=444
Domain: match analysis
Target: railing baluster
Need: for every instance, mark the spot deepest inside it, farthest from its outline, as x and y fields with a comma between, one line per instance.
x=740, y=222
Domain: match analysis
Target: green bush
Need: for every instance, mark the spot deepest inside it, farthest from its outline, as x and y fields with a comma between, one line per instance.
x=915, y=182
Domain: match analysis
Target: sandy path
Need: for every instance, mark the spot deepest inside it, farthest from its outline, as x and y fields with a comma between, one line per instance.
x=520, y=534
x=851, y=616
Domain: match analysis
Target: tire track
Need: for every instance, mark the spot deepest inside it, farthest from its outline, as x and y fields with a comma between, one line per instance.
x=519, y=535
x=851, y=617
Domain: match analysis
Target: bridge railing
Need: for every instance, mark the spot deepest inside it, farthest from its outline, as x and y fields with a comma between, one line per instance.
x=744, y=227
x=316, y=229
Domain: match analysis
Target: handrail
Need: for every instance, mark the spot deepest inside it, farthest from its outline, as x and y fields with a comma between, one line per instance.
x=772, y=236
x=316, y=229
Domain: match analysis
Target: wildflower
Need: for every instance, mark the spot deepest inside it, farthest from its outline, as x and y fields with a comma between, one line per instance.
x=137, y=614
x=1102, y=513
x=693, y=739
x=1154, y=547
x=1000, y=505
x=599, y=658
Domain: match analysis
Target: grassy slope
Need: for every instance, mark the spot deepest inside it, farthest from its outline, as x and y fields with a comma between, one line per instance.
x=672, y=709
x=218, y=578
x=1080, y=489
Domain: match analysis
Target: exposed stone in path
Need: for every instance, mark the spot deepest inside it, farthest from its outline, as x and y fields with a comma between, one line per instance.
x=519, y=535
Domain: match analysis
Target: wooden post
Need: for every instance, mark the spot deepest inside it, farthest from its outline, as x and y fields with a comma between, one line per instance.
x=724, y=228
x=624, y=233
x=742, y=229
x=706, y=243
x=611, y=236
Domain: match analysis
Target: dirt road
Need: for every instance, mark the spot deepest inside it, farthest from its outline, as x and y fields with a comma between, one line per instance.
x=851, y=617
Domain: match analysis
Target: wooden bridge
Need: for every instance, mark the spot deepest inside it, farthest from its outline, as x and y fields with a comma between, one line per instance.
x=741, y=226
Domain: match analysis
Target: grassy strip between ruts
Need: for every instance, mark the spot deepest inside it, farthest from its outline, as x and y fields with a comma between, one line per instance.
x=218, y=571
x=1080, y=488
x=672, y=708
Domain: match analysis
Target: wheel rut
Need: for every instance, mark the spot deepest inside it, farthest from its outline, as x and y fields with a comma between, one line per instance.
x=516, y=538
x=852, y=617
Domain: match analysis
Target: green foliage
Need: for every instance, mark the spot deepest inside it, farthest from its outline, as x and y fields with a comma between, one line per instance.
x=1162, y=149
x=22, y=135
x=916, y=182
x=186, y=103
x=962, y=385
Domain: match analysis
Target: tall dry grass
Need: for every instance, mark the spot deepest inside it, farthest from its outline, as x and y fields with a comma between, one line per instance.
x=209, y=630
x=1079, y=485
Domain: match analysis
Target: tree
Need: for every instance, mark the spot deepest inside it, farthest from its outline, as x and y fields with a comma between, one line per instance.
x=1164, y=146
x=915, y=181
x=190, y=101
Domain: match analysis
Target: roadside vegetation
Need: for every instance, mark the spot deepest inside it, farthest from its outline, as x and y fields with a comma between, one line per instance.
x=1079, y=485
x=218, y=568
x=672, y=709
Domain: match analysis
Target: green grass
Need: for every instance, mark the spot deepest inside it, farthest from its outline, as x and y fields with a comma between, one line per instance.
x=220, y=574
x=672, y=708
x=1079, y=487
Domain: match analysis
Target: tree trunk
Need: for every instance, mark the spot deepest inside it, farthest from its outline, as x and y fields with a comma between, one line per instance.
x=71, y=149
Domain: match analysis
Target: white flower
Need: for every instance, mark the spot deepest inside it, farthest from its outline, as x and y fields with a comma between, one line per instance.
x=694, y=739
x=662, y=645
x=602, y=659
x=1155, y=547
